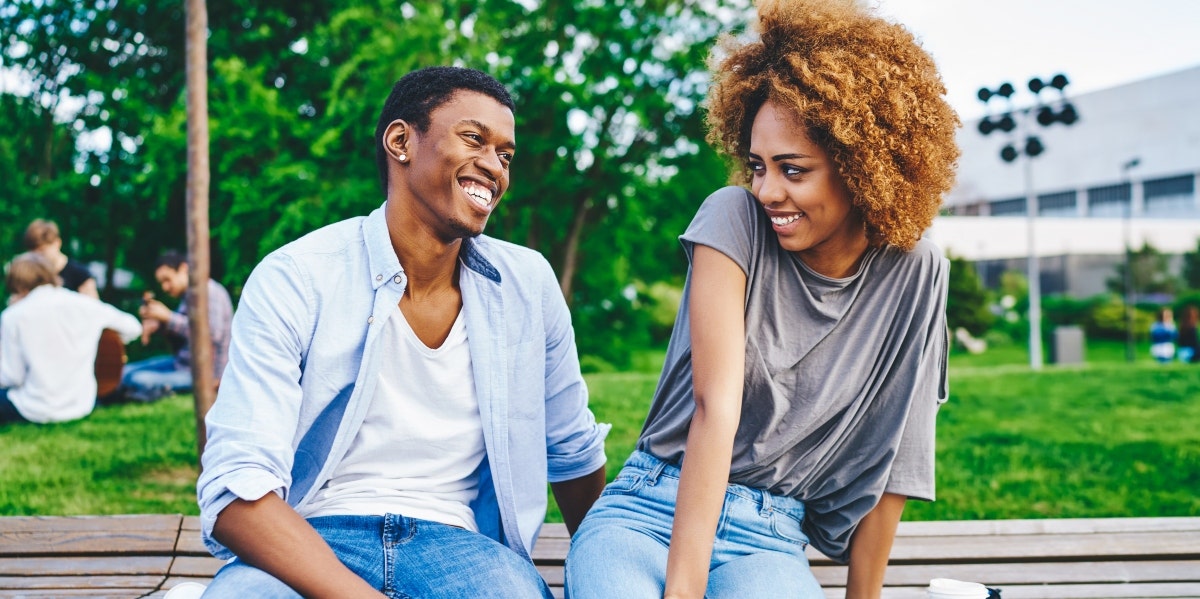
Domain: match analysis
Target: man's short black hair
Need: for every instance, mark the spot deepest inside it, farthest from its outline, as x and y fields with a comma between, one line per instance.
x=416, y=95
x=171, y=259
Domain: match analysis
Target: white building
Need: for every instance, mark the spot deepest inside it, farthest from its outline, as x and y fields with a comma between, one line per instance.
x=1124, y=171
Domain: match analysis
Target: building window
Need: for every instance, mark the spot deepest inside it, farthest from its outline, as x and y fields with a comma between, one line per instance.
x=1109, y=201
x=1057, y=204
x=1013, y=207
x=1171, y=196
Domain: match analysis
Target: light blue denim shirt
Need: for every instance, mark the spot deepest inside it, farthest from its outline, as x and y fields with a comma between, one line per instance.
x=304, y=362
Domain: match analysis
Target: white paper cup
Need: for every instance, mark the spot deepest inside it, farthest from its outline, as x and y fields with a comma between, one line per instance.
x=948, y=588
x=185, y=590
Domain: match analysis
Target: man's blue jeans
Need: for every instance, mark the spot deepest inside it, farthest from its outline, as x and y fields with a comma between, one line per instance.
x=155, y=378
x=404, y=558
x=620, y=549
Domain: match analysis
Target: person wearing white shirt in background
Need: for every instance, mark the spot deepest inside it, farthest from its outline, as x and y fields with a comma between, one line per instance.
x=48, y=342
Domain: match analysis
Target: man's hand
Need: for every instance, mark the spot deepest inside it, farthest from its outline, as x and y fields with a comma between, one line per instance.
x=576, y=496
x=153, y=309
x=148, y=328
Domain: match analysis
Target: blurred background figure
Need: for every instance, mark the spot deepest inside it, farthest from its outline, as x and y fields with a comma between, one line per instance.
x=1189, y=342
x=1162, y=336
x=155, y=378
x=48, y=343
x=42, y=236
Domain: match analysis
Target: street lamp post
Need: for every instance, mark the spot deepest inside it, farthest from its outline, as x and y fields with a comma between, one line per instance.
x=1129, y=294
x=1046, y=114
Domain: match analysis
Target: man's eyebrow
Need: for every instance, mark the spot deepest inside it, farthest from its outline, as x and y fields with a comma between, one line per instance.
x=487, y=131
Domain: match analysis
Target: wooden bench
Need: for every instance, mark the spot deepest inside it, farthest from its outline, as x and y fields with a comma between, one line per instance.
x=143, y=556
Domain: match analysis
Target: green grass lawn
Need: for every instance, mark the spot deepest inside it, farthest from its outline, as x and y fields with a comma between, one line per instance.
x=1104, y=439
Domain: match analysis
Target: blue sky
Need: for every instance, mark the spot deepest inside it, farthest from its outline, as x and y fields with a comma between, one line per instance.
x=1096, y=43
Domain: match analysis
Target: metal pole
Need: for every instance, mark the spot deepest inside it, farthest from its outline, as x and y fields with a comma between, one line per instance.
x=1130, y=353
x=1035, y=286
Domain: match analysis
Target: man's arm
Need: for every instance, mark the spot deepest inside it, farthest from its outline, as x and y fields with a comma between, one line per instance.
x=870, y=547
x=269, y=535
x=576, y=496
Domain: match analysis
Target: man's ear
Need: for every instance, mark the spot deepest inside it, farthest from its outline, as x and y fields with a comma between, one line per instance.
x=396, y=138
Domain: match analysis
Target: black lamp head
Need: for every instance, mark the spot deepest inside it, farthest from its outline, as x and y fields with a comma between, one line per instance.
x=1059, y=81
x=1008, y=153
x=1036, y=85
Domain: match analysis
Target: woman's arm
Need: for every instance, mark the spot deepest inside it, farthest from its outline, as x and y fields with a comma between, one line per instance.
x=717, y=299
x=870, y=547
x=269, y=535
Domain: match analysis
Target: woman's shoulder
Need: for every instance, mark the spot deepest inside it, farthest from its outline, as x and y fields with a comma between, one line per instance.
x=925, y=254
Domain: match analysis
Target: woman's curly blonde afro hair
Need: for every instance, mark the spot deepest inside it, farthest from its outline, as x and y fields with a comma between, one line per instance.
x=867, y=93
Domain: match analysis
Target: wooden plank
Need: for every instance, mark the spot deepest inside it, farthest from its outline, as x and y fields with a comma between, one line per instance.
x=61, y=593
x=88, y=535
x=146, y=583
x=1103, y=591
x=195, y=566
x=1051, y=526
x=71, y=565
x=190, y=542
x=1063, y=547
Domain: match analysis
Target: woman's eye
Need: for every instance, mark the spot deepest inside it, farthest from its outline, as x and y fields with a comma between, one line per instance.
x=755, y=167
x=792, y=171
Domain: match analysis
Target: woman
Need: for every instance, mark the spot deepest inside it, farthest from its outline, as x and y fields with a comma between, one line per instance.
x=42, y=236
x=807, y=362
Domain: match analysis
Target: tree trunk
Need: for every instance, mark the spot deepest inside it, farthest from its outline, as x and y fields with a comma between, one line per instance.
x=571, y=248
x=203, y=380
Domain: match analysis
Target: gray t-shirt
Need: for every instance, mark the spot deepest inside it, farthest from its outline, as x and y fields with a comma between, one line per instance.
x=843, y=376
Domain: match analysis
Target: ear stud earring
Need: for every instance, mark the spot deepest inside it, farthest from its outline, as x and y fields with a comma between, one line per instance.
x=402, y=157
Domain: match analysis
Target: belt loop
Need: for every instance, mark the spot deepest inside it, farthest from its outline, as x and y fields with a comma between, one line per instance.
x=766, y=503
x=656, y=471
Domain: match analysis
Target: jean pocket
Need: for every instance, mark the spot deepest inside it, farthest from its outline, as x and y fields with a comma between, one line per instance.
x=625, y=483
x=787, y=527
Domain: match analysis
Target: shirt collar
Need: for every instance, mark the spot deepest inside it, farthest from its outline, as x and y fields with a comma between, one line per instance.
x=384, y=264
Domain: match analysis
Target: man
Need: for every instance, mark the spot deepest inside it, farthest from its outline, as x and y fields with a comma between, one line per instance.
x=155, y=378
x=401, y=387
x=48, y=342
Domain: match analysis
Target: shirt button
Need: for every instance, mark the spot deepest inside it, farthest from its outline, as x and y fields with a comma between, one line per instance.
x=370, y=320
x=378, y=277
x=398, y=279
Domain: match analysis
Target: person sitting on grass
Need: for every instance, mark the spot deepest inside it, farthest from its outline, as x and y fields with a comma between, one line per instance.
x=48, y=342
x=42, y=237
x=155, y=378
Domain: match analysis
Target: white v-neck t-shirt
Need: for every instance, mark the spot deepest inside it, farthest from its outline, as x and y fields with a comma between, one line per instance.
x=419, y=449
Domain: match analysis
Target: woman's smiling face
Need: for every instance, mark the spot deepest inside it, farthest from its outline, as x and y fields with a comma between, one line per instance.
x=801, y=190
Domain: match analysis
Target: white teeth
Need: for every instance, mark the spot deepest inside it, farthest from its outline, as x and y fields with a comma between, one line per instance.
x=479, y=193
x=785, y=220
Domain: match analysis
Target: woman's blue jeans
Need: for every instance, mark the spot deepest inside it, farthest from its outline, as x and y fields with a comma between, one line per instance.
x=620, y=549
x=404, y=558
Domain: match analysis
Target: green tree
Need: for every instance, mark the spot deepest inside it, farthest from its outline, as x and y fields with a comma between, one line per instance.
x=966, y=302
x=1151, y=273
x=612, y=162
x=1191, y=268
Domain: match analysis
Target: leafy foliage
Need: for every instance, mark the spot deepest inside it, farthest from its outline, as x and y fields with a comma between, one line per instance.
x=967, y=301
x=610, y=168
x=1151, y=273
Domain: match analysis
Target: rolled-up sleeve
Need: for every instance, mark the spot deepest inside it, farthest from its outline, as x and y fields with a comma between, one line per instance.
x=252, y=425
x=574, y=440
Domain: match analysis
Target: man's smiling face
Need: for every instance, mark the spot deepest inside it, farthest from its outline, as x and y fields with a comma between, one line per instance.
x=459, y=167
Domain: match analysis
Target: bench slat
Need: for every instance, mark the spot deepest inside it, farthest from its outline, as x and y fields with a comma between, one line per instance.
x=146, y=583
x=88, y=535
x=84, y=565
